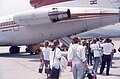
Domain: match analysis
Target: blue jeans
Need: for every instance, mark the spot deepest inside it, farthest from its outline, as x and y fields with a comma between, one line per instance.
x=89, y=58
x=78, y=71
x=96, y=63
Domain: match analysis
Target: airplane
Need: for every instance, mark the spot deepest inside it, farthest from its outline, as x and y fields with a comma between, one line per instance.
x=54, y=19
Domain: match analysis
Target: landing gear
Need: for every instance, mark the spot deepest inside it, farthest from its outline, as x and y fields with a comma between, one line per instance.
x=33, y=49
x=29, y=50
x=14, y=50
x=37, y=51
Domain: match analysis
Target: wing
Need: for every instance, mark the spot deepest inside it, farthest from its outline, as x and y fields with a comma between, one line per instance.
x=108, y=31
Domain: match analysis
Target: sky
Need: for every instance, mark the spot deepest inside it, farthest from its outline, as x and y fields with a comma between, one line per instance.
x=13, y=6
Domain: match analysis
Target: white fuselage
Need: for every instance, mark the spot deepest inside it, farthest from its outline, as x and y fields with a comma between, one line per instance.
x=35, y=26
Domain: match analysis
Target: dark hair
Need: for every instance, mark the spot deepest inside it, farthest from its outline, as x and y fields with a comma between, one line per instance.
x=97, y=39
x=84, y=43
x=107, y=40
x=94, y=40
x=76, y=40
x=55, y=44
x=46, y=43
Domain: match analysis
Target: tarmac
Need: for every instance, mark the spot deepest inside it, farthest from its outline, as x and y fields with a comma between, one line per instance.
x=25, y=66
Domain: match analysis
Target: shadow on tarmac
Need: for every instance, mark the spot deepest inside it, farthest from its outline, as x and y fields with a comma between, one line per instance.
x=116, y=75
x=34, y=60
x=116, y=58
x=20, y=55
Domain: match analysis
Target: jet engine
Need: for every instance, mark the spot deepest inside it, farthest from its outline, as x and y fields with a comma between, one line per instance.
x=37, y=17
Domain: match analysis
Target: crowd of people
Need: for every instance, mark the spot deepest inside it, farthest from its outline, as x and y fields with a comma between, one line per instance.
x=81, y=53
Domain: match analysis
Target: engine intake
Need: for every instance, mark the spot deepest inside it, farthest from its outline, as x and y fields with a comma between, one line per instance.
x=59, y=15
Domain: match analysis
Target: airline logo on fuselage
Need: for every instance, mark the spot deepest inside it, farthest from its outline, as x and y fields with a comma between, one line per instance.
x=93, y=2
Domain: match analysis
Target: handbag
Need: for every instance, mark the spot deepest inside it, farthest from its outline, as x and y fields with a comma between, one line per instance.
x=48, y=70
x=40, y=69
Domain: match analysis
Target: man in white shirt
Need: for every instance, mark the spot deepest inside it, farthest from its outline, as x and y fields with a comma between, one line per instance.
x=77, y=57
x=106, y=58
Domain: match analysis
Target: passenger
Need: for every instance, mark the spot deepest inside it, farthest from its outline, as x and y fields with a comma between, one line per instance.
x=89, y=53
x=41, y=59
x=41, y=62
x=46, y=53
x=112, y=54
x=55, y=57
x=96, y=54
x=84, y=43
x=70, y=62
x=77, y=57
x=106, y=58
x=100, y=41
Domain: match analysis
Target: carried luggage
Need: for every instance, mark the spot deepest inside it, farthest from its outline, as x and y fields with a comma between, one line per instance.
x=48, y=70
x=54, y=73
x=90, y=75
x=40, y=69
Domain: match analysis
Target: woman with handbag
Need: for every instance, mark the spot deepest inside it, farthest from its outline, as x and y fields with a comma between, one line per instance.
x=46, y=52
x=55, y=57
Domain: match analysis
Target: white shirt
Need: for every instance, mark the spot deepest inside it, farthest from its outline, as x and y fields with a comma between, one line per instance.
x=72, y=49
x=95, y=48
x=81, y=52
x=107, y=48
x=46, y=53
x=54, y=58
